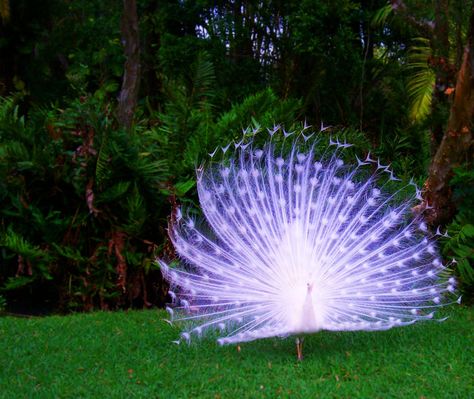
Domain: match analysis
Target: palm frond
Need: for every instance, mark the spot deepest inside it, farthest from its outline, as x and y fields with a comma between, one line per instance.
x=421, y=81
x=381, y=15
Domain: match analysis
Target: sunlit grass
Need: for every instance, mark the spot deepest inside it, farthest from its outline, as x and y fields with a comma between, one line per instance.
x=130, y=355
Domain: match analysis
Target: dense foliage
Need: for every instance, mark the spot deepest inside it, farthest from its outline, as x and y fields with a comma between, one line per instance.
x=80, y=205
x=84, y=201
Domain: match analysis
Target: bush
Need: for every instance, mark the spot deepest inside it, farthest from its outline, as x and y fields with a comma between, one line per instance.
x=84, y=204
x=460, y=244
x=80, y=206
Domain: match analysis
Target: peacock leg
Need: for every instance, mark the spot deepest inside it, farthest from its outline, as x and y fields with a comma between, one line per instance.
x=299, y=348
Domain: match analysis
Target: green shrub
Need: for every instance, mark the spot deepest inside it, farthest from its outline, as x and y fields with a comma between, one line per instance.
x=81, y=202
x=84, y=204
x=460, y=244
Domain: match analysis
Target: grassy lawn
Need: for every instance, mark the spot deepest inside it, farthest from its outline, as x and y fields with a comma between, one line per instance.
x=130, y=355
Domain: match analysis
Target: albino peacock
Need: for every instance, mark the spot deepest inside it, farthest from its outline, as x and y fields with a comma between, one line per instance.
x=298, y=243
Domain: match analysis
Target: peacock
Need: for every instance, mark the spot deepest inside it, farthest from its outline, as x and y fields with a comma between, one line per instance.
x=295, y=240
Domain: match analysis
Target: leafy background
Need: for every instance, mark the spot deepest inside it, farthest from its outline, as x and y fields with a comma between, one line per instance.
x=84, y=201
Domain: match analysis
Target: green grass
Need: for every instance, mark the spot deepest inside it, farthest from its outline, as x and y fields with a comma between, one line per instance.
x=130, y=355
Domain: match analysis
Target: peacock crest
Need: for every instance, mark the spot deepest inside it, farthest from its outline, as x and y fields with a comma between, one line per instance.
x=294, y=242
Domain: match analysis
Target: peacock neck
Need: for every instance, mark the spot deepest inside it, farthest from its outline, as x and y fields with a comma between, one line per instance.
x=308, y=321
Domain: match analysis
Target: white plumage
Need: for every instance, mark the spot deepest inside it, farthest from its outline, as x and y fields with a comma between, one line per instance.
x=298, y=243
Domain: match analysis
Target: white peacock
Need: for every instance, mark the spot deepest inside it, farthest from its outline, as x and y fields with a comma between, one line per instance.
x=295, y=244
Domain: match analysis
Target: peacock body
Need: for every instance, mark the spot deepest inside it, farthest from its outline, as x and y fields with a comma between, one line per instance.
x=294, y=243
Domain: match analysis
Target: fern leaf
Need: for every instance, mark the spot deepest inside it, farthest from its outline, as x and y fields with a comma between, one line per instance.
x=114, y=192
x=203, y=81
x=13, y=283
x=69, y=252
x=17, y=244
x=102, y=167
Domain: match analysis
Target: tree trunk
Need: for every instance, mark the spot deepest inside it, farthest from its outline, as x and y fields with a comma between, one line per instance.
x=5, y=10
x=151, y=77
x=131, y=77
x=440, y=62
x=456, y=145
